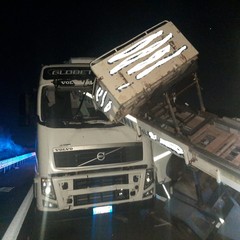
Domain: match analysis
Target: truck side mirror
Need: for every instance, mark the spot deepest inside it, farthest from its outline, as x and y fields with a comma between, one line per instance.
x=27, y=108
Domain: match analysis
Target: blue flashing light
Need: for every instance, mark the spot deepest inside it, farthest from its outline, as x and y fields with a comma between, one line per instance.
x=8, y=148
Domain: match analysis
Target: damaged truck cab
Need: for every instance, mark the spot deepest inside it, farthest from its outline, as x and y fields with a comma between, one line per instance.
x=84, y=160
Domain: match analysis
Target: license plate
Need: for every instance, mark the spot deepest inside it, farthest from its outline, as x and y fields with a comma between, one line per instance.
x=101, y=210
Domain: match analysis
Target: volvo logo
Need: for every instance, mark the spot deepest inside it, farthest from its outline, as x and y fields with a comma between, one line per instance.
x=101, y=156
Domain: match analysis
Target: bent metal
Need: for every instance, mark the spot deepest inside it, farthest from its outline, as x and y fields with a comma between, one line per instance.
x=170, y=145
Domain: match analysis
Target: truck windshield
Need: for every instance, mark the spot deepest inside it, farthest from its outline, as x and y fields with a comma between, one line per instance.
x=69, y=106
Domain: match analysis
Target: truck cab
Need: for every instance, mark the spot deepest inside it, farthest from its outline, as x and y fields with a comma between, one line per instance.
x=84, y=160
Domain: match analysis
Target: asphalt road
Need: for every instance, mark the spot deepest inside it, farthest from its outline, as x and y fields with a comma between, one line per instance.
x=103, y=227
x=14, y=185
x=117, y=226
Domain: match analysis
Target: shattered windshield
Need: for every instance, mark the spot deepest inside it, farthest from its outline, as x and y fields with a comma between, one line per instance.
x=69, y=106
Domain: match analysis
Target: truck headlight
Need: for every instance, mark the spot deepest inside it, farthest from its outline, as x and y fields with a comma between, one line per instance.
x=47, y=188
x=149, y=178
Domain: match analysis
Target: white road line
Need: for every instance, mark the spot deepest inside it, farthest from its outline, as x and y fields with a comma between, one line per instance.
x=16, y=224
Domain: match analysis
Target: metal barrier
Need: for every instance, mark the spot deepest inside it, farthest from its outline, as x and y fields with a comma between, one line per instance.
x=13, y=162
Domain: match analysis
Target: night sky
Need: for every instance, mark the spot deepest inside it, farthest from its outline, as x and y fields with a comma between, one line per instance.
x=35, y=33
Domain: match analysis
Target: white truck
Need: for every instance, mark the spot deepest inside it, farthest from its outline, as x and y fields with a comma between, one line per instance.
x=84, y=160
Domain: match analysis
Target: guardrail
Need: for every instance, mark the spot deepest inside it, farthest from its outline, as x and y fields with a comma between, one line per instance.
x=13, y=162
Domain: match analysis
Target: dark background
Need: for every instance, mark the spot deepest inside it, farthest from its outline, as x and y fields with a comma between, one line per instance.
x=35, y=33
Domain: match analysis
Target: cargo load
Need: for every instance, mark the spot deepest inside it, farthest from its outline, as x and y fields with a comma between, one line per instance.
x=129, y=74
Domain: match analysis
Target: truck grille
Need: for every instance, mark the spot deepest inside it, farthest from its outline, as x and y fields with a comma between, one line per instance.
x=99, y=181
x=101, y=197
x=99, y=156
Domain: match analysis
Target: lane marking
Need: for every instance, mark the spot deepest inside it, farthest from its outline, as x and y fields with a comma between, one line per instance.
x=16, y=224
